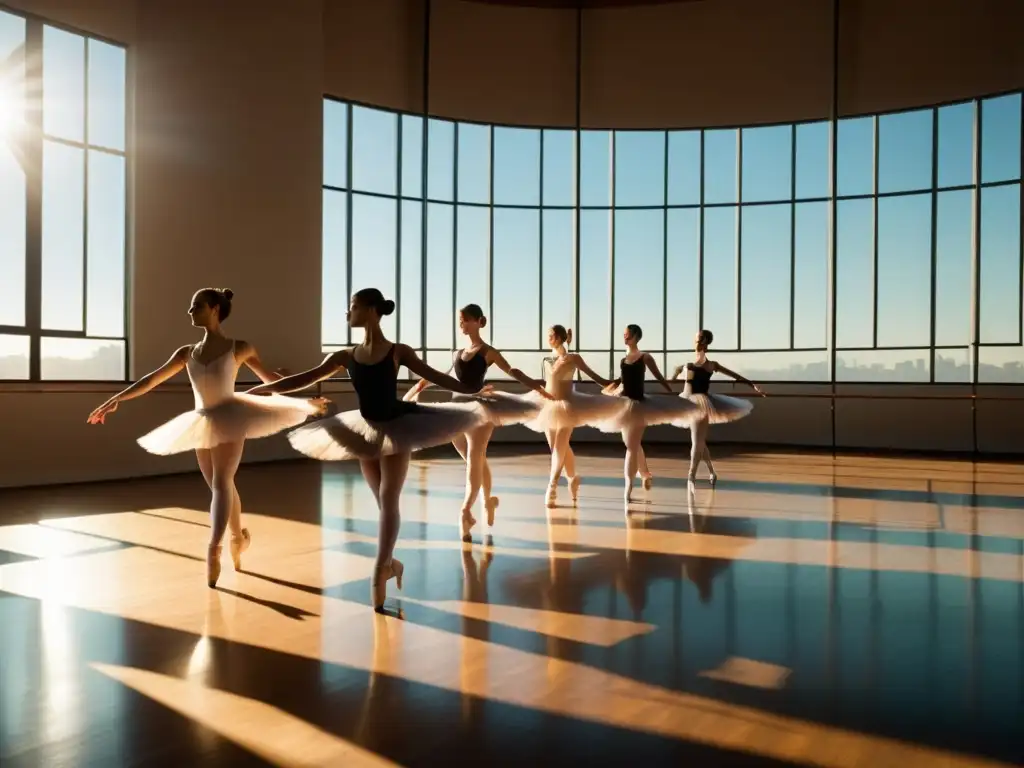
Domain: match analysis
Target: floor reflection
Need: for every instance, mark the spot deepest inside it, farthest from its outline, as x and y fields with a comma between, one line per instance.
x=790, y=615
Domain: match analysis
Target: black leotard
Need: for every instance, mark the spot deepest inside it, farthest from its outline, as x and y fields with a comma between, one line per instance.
x=700, y=381
x=471, y=372
x=376, y=386
x=632, y=375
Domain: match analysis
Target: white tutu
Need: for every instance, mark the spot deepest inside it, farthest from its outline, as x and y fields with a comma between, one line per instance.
x=502, y=408
x=653, y=409
x=717, y=409
x=241, y=417
x=350, y=436
x=574, y=410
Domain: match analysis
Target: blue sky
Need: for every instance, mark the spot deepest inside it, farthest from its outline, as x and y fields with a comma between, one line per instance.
x=769, y=230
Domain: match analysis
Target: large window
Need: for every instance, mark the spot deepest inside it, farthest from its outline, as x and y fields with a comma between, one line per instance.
x=736, y=230
x=63, y=144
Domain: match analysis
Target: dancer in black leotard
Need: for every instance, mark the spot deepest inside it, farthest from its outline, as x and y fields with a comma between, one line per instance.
x=641, y=411
x=716, y=409
x=385, y=430
x=470, y=367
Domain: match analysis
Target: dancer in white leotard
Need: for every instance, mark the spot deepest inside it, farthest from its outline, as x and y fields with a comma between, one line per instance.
x=568, y=410
x=501, y=408
x=222, y=420
x=641, y=410
x=715, y=409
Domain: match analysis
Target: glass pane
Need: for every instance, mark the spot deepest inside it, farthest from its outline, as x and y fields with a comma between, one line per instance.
x=683, y=284
x=1000, y=365
x=953, y=220
x=559, y=167
x=12, y=78
x=335, y=144
x=596, y=168
x=411, y=305
x=63, y=84
x=856, y=156
x=812, y=165
x=516, y=166
x=767, y=235
x=374, y=249
x=374, y=150
x=105, y=251
x=598, y=359
x=594, y=281
x=904, y=270
x=440, y=159
x=684, y=167
x=720, y=166
x=106, y=95
x=905, y=151
x=558, y=288
x=953, y=366
x=639, y=275
x=1000, y=138
x=12, y=238
x=516, y=278
x=335, y=291
x=855, y=293
x=956, y=145
x=14, y=352
x=440, y=258
x=767, y=163
x=81, y=360
x=530, y=363
x=776, y=366
x=883, y=365
x=412, y=156
x=1000, y=265
x=639, y=168
x=474, y=163
x=811, y=288
x=473, y=249
x=720, y=275
x=63, y=236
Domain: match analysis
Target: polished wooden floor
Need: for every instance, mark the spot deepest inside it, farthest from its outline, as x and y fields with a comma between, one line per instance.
x=808, y=611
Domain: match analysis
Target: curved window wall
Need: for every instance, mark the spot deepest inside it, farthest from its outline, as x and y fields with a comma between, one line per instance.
x=727, y=229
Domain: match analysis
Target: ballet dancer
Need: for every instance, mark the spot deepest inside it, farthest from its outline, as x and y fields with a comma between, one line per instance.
x=569, y=409
x=222, y=420
x=501, y=408
x=384, y=431
x=641, y=411
x=714, y=409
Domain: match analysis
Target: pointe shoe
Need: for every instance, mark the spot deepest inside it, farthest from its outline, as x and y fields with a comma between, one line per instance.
x=574, y=488
x=238, y=545
x=490, y=505
x=213, y=565
x=468, y=521
x=552, y=498
x=648, y=482
x=713, y=478
x=381, y=577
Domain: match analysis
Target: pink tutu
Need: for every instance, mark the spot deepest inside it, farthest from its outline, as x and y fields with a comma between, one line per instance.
x=240, y=417
x=503, y=408
x=653, y=409
x=574, y=410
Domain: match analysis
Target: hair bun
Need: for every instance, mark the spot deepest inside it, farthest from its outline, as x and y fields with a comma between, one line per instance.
x=387, y=307
x=483, y=322
x=568, y=336
x=227, y=293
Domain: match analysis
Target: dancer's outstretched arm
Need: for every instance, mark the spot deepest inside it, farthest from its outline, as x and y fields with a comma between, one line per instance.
x=581, y=364
x=722, y=369
x=494, y=357
x=251, y=358
x=422, y=384
x=652, y=366
x=410, y=360
x=148, y=382
x=334, y=362
x=677, y=372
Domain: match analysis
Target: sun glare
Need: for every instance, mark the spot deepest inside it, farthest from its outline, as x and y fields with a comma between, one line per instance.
x=11, y=111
